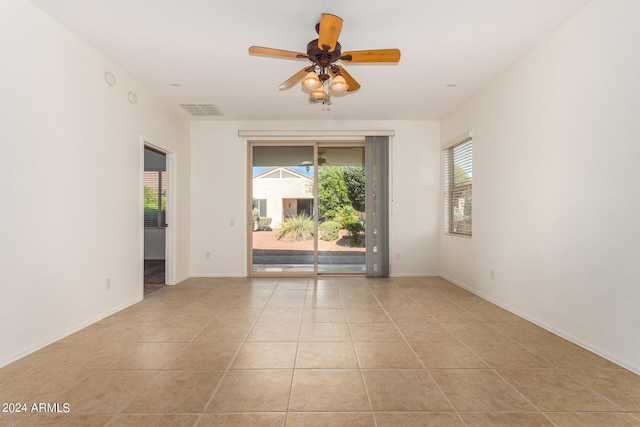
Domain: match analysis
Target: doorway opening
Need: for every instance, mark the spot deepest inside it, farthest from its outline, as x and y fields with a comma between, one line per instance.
x=155, y=219
x=307, y=208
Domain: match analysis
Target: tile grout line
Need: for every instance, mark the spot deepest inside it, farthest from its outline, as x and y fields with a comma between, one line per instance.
x=490, y=367
x=224, y=375
x=295, y=359
x=353, y=345
x=207, y=309
x=511, y=339
x=419, y=359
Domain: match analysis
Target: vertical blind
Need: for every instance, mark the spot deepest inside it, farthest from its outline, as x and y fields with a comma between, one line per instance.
x=458, y=186
x=377, y=205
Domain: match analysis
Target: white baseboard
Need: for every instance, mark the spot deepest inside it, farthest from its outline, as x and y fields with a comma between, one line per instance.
x=587, y=346
x=57, y=337
x=414, y=275
x=179, y=280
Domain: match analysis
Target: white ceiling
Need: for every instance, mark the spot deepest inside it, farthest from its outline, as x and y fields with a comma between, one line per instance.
x=202, y=46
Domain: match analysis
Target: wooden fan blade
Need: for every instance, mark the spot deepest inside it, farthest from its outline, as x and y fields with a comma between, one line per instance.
x=259, y=50
x=353, y=84
x=294, y=79
x=377, y=55
x=330, y=27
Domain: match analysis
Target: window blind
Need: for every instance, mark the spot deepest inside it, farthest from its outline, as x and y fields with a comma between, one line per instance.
x=458, y=188
x=155, y=199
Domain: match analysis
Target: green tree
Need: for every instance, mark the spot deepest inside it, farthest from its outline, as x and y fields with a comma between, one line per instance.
x=150, y=198
x=153, y=218
x=354, y=178
x=332, y=192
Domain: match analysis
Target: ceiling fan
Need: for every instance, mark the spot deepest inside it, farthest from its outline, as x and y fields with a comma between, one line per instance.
x=324, y=52
x=321, y=160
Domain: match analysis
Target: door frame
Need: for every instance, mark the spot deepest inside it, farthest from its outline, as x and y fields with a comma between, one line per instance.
x=316, y=143
x=170, y=230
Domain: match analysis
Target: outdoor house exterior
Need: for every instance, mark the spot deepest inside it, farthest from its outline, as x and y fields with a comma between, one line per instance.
x=281, y=192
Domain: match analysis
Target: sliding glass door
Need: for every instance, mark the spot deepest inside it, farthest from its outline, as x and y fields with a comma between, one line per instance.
x=307, y=208
x=341, y=212
x=282, y=208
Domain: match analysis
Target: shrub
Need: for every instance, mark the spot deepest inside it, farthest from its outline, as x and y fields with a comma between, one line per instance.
x=354, y=229
x=264, y=223
x=296, y=228
x=346, y=215
x=329, y=230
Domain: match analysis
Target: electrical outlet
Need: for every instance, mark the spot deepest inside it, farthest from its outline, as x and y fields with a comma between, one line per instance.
x=107, y=283
x=492, y=274
x=208, y=255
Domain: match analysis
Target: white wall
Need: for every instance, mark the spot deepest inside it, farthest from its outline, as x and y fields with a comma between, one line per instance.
x=556, y=182
x=276, y=191
x=219, y=193
x=71, y=173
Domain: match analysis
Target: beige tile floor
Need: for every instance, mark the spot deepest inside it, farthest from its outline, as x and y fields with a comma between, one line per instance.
x=326, y=352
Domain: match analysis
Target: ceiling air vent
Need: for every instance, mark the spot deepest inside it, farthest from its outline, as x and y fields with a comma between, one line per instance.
x=202, y=110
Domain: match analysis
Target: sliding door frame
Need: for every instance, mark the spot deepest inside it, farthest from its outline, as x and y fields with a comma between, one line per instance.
x=316, y=143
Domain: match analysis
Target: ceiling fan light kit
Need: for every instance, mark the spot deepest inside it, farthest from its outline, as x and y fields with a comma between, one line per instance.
x=319, y=94
x=324, y=52
x=311, y=81
x=339, y=84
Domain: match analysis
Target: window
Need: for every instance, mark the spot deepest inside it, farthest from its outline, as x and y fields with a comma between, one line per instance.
x=155, y=199
x=458, y=173
x=261, y=206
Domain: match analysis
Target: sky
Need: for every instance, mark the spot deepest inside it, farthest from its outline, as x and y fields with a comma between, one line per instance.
x=301, y=169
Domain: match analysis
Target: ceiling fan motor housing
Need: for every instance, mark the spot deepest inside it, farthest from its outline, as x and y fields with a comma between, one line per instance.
x=323, y=58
